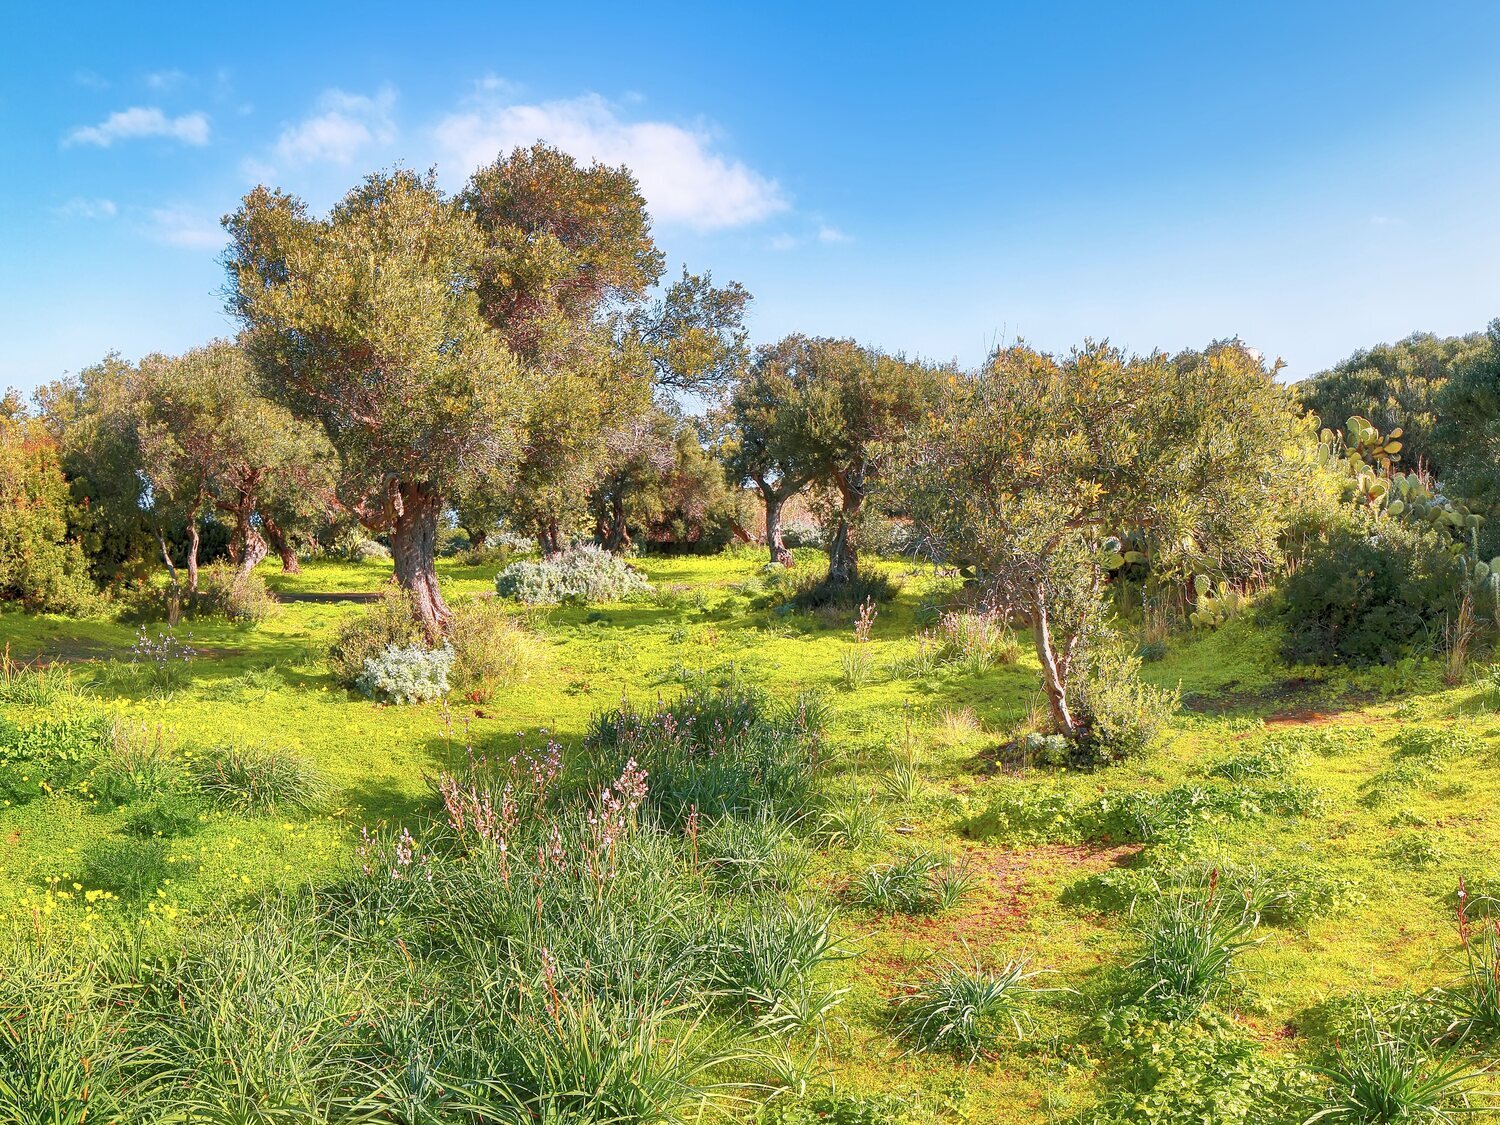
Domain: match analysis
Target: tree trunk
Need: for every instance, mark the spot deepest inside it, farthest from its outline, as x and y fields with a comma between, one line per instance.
x=547, y=538
x=192, y=554
x=616, y=528
x=252, y=549
x=774, y=502
x=414, y=550
x=477, y=538
x=1054, y=672
x=843, y=556
x=174, y=590
x=283, y=548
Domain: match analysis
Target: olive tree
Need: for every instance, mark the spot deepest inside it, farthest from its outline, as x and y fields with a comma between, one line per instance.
x=370, y=322
x=1029, y=471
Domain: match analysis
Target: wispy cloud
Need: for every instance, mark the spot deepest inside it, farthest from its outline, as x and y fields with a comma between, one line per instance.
x=165, y=79
x=79, y=208
x=141, y=122
x=683, y=177
x=190, y=230
x=832, y=235
x=344, y=125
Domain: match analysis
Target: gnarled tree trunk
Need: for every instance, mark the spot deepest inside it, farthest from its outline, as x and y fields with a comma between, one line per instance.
x=775, y=499
x=843, y=556
x=282, y=546
x=252, y=549
x=414, y=550
x=194, y=535
x=616, y=535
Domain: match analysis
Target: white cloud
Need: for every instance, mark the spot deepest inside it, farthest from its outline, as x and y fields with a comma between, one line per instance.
x=345, y=125
x=683, y=179
x=187, y=229
x=785, y=242
x=165, y=79
x=832, y=235
x=141, y=121
x=88, y=209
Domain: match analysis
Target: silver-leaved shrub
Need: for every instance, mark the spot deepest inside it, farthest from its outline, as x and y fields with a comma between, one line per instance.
x=407, y=674
x=580, y=574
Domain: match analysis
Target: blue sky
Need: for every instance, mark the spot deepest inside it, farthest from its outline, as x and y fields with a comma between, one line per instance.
x=1312, y=177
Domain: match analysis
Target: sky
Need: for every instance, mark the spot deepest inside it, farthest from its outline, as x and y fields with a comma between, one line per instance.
x=931, y=179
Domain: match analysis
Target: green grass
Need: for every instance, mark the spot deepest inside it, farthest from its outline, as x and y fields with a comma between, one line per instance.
x=904, y=767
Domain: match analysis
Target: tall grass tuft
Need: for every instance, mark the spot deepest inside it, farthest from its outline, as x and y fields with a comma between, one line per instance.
x=1376, y=1076
x=1190, y=945
x=251, y=780
x=965, y=1009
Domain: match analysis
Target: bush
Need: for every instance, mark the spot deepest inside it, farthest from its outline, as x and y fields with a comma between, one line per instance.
x=243, y=598
x=258, y=780
x=39, y=565
x=1121, y=715
x=579, y=574
x=389, y=623
x=488, y=647
x=1369, y=594
x=817, y=592
x=130, y=870
x=407, y=675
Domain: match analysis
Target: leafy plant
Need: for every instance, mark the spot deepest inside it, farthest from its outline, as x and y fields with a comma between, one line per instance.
x=407, y=675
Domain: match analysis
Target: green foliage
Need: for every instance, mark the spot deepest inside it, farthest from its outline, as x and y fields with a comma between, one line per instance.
x=389, y=623
x=169, y=817
x=137, y=765
x=966, y=1009
x=1120, y=715
x=1369, y=593
x=252, y=780
x=1204, y=1070
x=131, y=870
x=47, y=757
x=834, y=1109
x=407, y=675
x=583, y=574
x=923, y=883
x=813, y=592
x=717, y=752
x=40, y=565
x=1216, y=604
x=1189, y=947
x=750, y=855
x=240, y=597
x=766, y=961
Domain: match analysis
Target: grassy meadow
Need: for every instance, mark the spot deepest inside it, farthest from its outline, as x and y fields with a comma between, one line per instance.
x=1343, y=807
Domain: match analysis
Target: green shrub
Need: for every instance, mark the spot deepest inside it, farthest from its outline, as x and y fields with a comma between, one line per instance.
x=817, y=592
x=1121, y=715
x=240, y=597
x=40, y=566
x=131, y=870
x=245, y=780
x=390, y=622
x=581, y=574
x=1369, y=594
x=489, y=648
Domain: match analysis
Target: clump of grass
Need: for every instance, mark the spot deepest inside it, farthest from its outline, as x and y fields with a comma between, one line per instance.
x=168, y=818
x=1190, y=944
x=1474, y=1000
x=34, y=685
x=242, y=779
x=754, y=855
x=855, y=822
x=856, y=658
x=765, y=963
x=957, y=725
x=131, y=870
x=1377, y=1076
x=717, y=751
x=974, y=641
x=137, y=764
x=815, y=593
x=923, y=883
x=903, y=782
x=965, y=1009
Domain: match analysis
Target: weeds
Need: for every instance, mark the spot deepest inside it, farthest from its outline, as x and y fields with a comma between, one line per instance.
x=1190, y=944
x=919, y=884
x=966, y=1009
x=248, y=780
